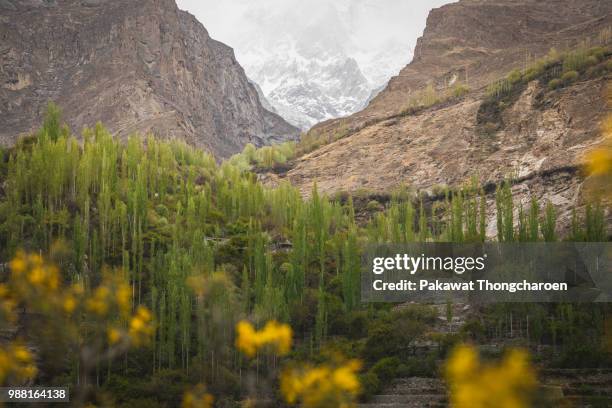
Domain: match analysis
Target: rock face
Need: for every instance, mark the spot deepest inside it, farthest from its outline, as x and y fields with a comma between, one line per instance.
x=479, y=41
x=539, y=137
x=136, y=66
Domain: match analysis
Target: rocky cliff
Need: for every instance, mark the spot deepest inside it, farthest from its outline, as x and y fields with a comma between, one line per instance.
x=136, y=66
x=533, y=134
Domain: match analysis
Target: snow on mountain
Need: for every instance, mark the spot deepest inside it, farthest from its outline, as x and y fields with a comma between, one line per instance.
x=307, y=87
x=315, y=70
x=317, y=59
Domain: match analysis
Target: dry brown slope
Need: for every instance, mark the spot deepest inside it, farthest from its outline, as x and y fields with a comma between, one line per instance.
x=544, y=130
x=542, y=134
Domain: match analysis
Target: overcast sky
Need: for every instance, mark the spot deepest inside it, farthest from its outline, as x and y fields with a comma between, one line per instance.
x=366, y=29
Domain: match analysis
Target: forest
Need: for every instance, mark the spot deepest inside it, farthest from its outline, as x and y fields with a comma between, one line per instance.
x=162, y=243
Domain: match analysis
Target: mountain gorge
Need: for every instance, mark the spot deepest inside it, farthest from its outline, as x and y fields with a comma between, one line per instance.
x=319, y=68
x=136, y=66
x=194, y=248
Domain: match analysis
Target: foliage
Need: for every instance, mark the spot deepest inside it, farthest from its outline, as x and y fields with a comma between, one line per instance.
x=558, y=69
x=266, y=157
x=150, y=225
x=315, y=138
x=459, y=89
x=569, y=76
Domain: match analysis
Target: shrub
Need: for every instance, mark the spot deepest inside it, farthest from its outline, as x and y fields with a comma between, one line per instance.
x=474, y=329
x=531, y=74
x=609, y=65
x=591, y=60
x=514, y=77
x=499, y=88
x=386, y=368
x=460, y=89
x=597, y=52
x=555, y=83
x=569, y=76
x=373, y=206
x=575, y=60
x=370, y=385
x=357, y=324
x=418, y=367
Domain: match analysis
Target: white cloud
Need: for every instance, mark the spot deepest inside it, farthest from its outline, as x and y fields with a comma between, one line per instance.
x=367, y=30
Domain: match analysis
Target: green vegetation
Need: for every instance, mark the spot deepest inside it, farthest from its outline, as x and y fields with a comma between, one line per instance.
x=431, y=96
x=203, y=245
x=555, y=70
x=316, y=138
x=267, y=157
x=558, y=69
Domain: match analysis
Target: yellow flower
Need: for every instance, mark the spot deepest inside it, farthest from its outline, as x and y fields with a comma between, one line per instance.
x=322, y=386
x=197, y=398
x=16, y=363
x=275, y=335
x=345, y=378
x=476, y=385
x=22, y=354
x=98, y=303
x=141, y=328
x=114, y=335
x=463, y=362
x=246, y=338
x=69, y=304
x=600, y=162
x=124, y=295
x=18, y=264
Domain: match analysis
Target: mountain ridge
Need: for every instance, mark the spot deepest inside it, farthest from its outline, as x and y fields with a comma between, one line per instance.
x=135, y=66
x=534, y=131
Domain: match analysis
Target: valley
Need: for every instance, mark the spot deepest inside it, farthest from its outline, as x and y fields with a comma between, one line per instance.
x=175, y=233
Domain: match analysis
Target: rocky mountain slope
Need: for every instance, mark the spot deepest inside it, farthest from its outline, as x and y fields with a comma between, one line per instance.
x=535, y=134
x=137, y=66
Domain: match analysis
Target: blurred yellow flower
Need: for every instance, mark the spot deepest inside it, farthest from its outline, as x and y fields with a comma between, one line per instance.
x=275, y=335
x=141, y=328
x=197, y=398
x=114, y=335
x=475, y=384
x=18, y=264
x=124, y=297
x=16, y=363
x=322, y=386
x=99, y=302
x=69, y=304
x=36, y=286
x=599, y=161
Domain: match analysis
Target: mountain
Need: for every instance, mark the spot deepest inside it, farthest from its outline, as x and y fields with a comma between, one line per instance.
x=308, y=84
x=262, y=98
x=319, y=68
x=536, y=132
x=137, y=66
